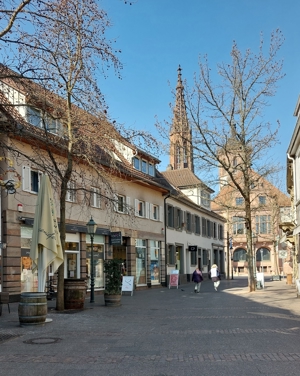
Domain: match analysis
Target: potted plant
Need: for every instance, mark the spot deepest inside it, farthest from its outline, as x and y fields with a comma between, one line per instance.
x=113, y=282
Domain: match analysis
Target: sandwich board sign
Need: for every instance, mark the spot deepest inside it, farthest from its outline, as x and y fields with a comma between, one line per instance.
x=127, y=284
x=174, y=277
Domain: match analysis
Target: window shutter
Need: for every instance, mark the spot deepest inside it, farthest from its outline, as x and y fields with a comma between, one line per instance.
x=26, y=178
x=128, y=202
x=115, y=202
x=161, y=214
x=151, y=211
x=147, y=209
x=193, y=223
x=136, y=206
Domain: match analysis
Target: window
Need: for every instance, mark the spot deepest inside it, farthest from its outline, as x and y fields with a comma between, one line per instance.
x=155, y=261
x=204, y=232
x=178, y=215
x=205, y=257
x=205, y=199
x=262, y=200
x=34, y=117
x=136, y=163
x=170, y=216
x=96, y=201
x=71, y=195
x=140, y=260
x=31, y=179
x=151, y=169
x=239, y=201
x=154, y=212
x=120, y=203
x=239, y=255
x=171, y=254
x=144, y=167
x=197, y=224
x=263, y=254
x=140, y=209
x=238, y=225
x=263, y=224
x=188, y=222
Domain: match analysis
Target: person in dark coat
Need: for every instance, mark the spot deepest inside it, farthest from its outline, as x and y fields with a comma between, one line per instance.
x=197, y=279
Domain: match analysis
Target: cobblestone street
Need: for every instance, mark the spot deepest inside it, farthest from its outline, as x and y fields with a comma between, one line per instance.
x=160, y=332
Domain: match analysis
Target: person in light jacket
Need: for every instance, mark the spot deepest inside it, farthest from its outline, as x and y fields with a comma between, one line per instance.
x=197, y=279
x=215, y=276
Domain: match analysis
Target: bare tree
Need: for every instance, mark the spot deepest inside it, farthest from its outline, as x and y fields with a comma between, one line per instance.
x=10, y=12
x=60, y=57
x=230, y=133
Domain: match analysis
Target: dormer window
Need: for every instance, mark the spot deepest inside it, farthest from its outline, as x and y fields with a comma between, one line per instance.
x=205, y=199
x=36, y=118
x=144, y=166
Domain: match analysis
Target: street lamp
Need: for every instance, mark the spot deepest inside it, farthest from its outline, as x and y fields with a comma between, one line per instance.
x=231, y=254
x=91, y=230
x=254, y=240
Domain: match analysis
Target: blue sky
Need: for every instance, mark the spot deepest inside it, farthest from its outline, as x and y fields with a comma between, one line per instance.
x=155, y=36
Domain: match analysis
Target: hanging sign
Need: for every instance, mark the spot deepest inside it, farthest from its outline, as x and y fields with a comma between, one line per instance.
x=193, y=248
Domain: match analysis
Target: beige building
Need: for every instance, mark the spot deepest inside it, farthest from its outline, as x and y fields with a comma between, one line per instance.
x=128, y=207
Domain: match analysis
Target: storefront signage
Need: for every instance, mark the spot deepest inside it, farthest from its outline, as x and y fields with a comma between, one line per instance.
x=116, y=238
x=127, y=284
x=174, y=278
x=193, y=248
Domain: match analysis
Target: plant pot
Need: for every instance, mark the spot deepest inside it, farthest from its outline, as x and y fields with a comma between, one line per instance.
x=112, y=300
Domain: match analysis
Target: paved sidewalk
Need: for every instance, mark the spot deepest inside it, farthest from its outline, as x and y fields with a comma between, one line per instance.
x=163, y=332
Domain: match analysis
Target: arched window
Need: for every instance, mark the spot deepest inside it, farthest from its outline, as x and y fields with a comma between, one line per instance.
x=263, y=254
x=239, y=255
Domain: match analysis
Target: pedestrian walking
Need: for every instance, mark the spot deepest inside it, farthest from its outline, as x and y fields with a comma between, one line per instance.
x=215, y=276
x=197, y=279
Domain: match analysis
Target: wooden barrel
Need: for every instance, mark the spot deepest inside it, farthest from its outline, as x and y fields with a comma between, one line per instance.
x=112, y=300
x=74, y=293
x=32, y=308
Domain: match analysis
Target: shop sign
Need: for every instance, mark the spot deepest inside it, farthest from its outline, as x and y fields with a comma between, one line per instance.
x=116, y=238
x=193, y=248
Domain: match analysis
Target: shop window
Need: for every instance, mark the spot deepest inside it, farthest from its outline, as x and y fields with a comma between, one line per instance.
x=155, y=262
x=98, y=256
x=141, y=253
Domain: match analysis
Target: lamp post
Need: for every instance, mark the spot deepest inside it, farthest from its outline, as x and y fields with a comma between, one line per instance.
x=231, y=255
x=91, y=230
x=254, y=240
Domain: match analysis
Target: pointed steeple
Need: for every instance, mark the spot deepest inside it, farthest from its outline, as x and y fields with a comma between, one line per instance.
x=181, y=152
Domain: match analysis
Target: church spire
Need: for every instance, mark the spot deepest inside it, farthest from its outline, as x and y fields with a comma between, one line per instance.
x=181, y=155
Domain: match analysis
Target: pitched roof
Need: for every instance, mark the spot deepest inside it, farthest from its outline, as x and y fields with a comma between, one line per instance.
x=183, y=178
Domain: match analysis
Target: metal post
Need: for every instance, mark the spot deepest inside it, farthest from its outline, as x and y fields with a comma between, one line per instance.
x=261, y=259
x=92, y=270
x=231, y=264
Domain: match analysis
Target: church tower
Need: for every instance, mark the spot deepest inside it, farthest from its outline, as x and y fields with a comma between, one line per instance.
x=181, y=151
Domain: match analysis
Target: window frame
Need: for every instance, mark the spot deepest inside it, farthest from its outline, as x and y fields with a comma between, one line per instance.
x=96, y=198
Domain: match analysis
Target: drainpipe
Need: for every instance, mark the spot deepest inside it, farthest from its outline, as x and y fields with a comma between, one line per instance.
x=295, y=247
x=165, y=226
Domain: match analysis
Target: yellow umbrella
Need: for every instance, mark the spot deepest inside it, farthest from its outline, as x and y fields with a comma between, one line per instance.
x=46, y=246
